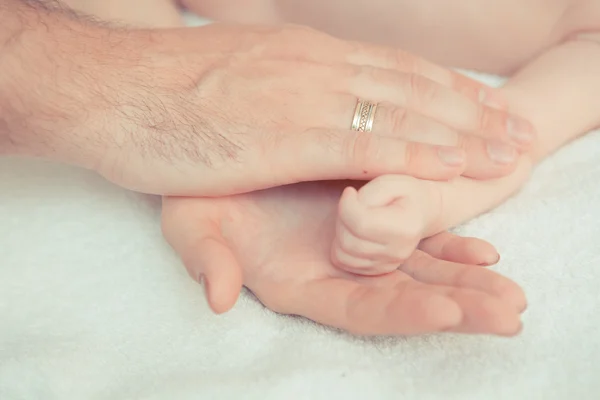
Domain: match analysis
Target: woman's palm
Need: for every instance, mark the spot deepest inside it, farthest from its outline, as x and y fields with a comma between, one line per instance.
x=277, y=243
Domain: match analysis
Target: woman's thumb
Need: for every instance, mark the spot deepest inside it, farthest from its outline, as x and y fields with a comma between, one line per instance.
x=209, y=259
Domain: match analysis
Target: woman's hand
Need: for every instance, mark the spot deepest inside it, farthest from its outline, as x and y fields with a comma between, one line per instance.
x=229, y=109
x=277, y=242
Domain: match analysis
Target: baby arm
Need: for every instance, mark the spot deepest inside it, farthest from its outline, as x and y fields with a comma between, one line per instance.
x=380, y=225
x=139, y=13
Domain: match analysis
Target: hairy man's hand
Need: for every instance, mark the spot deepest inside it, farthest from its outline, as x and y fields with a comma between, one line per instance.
x=229, y=109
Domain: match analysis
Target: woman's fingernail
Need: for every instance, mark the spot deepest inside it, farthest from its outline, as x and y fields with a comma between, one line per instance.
x=452, y=156
x=501, y=153
x=519, y=130
x=491, y=260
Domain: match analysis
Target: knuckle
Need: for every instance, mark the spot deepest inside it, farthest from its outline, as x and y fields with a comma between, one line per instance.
x=484, y=117
x=337, y=255
x=411, y=232
x=421, y=91
x=414, y=86
x=461, y=140
x=346, y=241
x=425, y=91
x=362, y=227
x=373, y=74
x=332, y=141
x=279, y=40
x=399, y=120
x=380, y=76
x=352, y=71
x=402, y=253
x=362, y=151
x=402, y=60
x=412, y=152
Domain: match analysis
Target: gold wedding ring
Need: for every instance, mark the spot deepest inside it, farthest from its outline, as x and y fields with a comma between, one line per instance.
x=364, y=115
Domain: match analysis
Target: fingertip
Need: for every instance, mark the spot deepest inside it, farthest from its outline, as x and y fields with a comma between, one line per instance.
x=466, y=250
x=348, y=204
x=517, y=331
x=221, y=294
x=510, y=326
x=478, y=252
x=349, y=193
x=512, y=294
x=502, y=318
x=218, y=271
x=489, y=259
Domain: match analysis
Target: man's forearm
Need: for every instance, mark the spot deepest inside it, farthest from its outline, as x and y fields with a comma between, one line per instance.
x=21, y=25
x=57, y=77
x=14, y=22
x=10, y=22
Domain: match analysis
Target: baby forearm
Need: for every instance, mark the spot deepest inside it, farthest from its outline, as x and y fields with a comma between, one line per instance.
x=464, y=199
x=559, y=93
x=139, y=13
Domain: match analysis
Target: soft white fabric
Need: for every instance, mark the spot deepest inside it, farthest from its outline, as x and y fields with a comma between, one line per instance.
x=94, y=305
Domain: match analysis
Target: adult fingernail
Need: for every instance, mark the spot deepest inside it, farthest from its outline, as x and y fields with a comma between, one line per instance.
x=501, y=153
x=491, y=260
x=519, y=130
x=452, y=156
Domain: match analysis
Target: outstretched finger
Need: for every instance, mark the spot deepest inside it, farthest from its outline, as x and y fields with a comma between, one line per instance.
x=450, y=247
x=426, y=269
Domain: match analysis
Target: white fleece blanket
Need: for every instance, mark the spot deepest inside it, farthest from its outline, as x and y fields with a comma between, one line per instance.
x=94, y=305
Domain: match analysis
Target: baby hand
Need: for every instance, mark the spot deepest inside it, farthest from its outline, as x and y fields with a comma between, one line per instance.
x=380, y=225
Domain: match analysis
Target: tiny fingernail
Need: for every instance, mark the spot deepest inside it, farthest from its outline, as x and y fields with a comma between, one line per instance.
x=519, y=130
x=451, y=156
x=501, y=153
